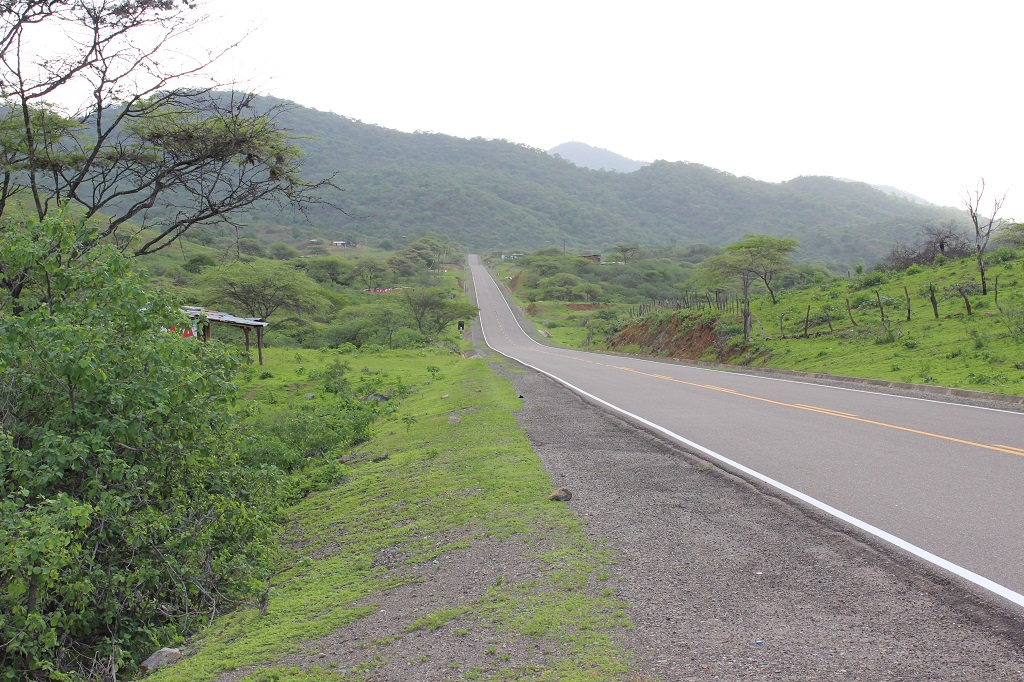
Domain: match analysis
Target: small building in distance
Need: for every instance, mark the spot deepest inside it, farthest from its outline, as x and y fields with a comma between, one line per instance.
x=593, y=257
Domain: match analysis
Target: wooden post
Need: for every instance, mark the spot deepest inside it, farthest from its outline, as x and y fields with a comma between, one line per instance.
x=207, y=332
x=807, y=321
x=878, y=297
x=849, y=312
x=935, y=304
x=907, y=293
x=782, y=331
x=760, y=325
x=967, y=301
x=997, y=290
x=828, y=318
x=259, y=343
x=245, y=330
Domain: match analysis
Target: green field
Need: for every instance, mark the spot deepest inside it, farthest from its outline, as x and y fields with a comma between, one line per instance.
x=458, y=470
x=983, y=351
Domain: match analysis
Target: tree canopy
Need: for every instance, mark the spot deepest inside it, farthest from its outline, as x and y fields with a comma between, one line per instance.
x=261, y=288
x=130, y=146
x=755, y=257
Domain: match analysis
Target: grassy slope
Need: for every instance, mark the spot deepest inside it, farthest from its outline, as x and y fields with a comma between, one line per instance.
x=443, y=485
x=973, y=352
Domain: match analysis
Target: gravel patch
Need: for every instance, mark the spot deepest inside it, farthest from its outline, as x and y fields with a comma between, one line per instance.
x=382, y=646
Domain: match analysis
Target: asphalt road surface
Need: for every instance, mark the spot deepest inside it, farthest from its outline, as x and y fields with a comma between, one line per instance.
x=940, y=480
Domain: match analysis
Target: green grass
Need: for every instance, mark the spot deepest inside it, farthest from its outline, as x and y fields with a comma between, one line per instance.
x=974, y=352
x=442, y=486
x=958, y=350
x=567, y=326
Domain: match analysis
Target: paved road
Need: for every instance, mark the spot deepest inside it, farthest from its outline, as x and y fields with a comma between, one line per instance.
x=941, y=480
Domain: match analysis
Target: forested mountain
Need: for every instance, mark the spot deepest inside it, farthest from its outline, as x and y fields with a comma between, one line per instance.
x=483, y=194
x=595, y=158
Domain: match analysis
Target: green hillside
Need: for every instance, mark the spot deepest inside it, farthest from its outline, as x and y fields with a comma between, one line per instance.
x=489, y=194
x=880, y=324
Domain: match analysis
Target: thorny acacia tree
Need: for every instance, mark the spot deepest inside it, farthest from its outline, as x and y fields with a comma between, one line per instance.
x=755, y=257
x=260, y=288
x=103, y=121
x=983, y=227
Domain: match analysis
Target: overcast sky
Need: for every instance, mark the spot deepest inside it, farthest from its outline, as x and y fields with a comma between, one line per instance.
x=921, y=95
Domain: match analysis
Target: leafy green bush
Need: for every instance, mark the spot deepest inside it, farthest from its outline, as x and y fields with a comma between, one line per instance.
x=871, y=279
x=1001, y=255
x=127, y=517
x=1011, y=312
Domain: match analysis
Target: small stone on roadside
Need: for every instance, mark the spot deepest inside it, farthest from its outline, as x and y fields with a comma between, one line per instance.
x=561, y=495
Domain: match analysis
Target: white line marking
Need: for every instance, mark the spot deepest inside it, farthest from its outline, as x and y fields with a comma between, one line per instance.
x=935, y=560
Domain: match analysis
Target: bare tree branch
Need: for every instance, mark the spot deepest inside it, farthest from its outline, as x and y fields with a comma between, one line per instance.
x=144, y=155
x=983, y=227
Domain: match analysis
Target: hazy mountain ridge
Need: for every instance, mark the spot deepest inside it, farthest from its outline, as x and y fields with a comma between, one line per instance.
x=596, y=158
x=485, y=193
x=896, y=191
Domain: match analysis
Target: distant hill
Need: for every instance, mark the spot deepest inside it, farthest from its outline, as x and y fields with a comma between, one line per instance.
x=486, y=194
x=896, y=192
x=595, y=158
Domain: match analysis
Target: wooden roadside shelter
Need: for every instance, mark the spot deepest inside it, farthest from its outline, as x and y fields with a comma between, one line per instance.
x=247, y=324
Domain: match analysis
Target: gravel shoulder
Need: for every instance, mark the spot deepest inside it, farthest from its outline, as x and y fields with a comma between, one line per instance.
x=723, y=579
x=730, y=581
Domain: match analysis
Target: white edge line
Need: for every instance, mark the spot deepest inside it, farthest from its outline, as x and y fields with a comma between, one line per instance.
x=960, y=571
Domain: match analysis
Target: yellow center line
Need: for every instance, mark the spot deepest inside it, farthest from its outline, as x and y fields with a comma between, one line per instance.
x=825, y=409
x=1008, y=449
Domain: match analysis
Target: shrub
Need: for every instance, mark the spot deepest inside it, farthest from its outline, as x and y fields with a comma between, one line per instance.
x=197, y=264
x=1000, y=255
x=871, y=279
x=126, y=516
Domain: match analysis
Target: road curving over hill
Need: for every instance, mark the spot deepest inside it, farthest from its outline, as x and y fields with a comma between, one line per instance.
x=943, y=482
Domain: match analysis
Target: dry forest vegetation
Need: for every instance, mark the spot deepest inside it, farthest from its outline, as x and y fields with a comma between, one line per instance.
x=878, y=324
